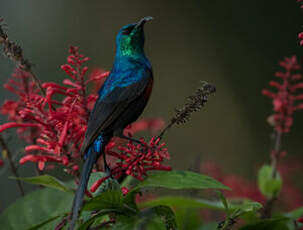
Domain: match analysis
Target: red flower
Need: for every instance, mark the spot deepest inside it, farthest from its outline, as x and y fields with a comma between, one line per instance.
x=54, y=128
x=300, y=2
x=136, y=159
x=41, y=159
x=241, y=188
x=124, y=190
x=300, y=220
x=300, y=36
x=54, y=124
x=1, y=163
x=285, y=99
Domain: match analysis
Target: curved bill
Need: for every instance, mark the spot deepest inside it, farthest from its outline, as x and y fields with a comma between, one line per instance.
x=143, y=20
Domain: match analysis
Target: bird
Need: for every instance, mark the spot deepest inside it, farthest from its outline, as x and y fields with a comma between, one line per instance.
x=121, y=100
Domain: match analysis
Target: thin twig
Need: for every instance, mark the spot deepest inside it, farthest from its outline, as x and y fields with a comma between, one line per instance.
x=276, y=156
x=15, y=53
x=227, y=224
x=13, y=167
x=62, y=223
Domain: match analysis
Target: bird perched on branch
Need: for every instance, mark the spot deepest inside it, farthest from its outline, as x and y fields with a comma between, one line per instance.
x=122, y=98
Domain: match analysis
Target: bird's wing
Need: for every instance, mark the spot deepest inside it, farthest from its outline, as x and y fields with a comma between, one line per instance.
x=109, y=108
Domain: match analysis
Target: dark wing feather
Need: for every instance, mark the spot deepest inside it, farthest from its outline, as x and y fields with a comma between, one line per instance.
x=107, y=110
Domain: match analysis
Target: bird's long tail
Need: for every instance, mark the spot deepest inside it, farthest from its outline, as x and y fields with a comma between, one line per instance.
x=86, y=171
x=91, y=156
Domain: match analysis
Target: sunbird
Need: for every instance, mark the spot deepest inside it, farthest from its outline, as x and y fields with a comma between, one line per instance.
x=121, y=100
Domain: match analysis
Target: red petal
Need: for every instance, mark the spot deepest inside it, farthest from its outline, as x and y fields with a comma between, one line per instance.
x=15, y=124
x=41, y=165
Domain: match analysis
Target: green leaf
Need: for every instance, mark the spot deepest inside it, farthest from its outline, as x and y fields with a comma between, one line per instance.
x=238, y=208
x=225, y=204
x=94, y=218
x=38, y=226
x=106, y=200
x=127, y=181
x=223, y=200
x=250, y=206
x=110, y=197
x=294, y=214
x=130, y=200
x=163, y=212
x=148, y=219
x=268, y=185
x=185, y=202
x=269, y=224
x=125, y=223
x=209, y=226
x=47, y=181
x=35, y=208
x=135, y=223
x=180, y=180
x=246, y=207
x=187, y=218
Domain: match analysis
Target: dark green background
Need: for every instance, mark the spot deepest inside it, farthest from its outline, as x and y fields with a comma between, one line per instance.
x=234, y=44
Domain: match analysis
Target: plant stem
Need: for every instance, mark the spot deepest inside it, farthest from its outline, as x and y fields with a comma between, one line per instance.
x=12, y=165
x=194, y=103
x=276, y=156
x=268, y=207
x=172, y=122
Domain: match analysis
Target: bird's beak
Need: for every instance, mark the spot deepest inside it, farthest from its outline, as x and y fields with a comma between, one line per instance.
x=142, y=21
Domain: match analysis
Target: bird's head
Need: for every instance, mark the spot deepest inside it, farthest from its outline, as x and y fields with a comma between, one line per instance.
x=130, y=39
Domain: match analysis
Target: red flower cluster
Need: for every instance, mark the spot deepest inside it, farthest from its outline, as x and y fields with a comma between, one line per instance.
x=54, y=128
x=245, y=188
x=300, y=2
x=55, y=123
x=28, y=98
x=284, y=100
x=300, y=36
x=290, y=198
x=136, y=159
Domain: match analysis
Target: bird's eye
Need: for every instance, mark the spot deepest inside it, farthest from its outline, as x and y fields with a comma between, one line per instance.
x=127, y=30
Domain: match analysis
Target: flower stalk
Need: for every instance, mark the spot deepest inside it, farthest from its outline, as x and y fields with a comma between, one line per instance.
x=12, y=164
x=285, y=102
x=15, y=53
x=194, y=103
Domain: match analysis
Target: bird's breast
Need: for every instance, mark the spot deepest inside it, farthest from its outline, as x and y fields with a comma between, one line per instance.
x=148, y=89
x=123, y=77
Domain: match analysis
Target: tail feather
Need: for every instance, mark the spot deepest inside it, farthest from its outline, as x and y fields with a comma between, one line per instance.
x=78, y=199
